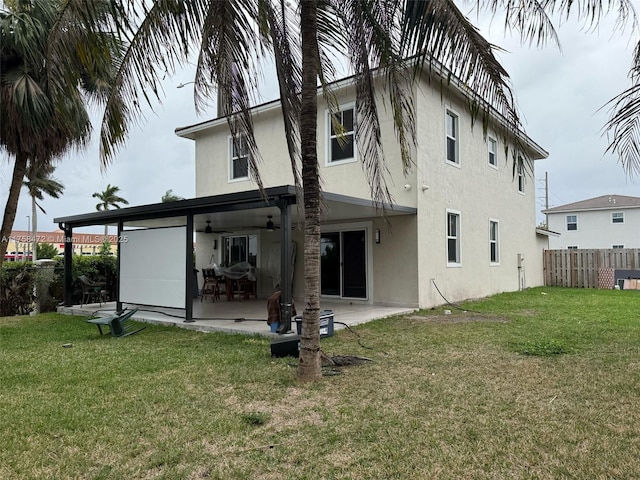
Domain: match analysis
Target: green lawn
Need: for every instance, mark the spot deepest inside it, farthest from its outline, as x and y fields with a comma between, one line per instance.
x=542, y=384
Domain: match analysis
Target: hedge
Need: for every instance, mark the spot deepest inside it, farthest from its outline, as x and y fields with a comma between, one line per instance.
x=17, y=280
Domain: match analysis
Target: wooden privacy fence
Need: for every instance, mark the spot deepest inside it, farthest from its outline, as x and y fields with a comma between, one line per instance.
x=579, y=268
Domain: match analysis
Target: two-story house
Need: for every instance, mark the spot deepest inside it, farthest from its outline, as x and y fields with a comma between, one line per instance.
x=607, y=221
x=462, y=221
x=462, y=224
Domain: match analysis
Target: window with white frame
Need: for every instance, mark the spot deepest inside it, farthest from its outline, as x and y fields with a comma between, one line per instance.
x=617, y=246
x=521, y=177
x=494, y=238
x=572, y=247
x=572, y=222
x=453, y=238
x=492, y=145
x=342, y=136
x=617, y=217
x=239, y=161
x=452, y=127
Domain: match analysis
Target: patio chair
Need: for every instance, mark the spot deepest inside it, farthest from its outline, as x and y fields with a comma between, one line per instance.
x=92, y=291
x=119, y=323
x=210, y=287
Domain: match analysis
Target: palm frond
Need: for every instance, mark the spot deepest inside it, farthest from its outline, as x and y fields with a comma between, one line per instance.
x=163, y=36
x=623, y=127
x=364, y=46
x=529, y=17
x=228, y=63
x=443, y=40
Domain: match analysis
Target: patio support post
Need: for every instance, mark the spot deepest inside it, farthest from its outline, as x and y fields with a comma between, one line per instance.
x=285, y=265
x=189, y=266
x=119, y=239
x=68, y=264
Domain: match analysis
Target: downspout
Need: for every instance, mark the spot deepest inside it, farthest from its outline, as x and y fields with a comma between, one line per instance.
x=68, y=264
x=118, y=249
x=286, y=295
x=188, y=285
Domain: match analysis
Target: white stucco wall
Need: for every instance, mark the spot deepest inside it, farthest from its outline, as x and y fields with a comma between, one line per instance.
x=413, y=252
x=212, y=158
x=480, y=193
x=596, y=229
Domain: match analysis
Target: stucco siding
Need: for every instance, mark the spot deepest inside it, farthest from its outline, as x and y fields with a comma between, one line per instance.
x=479, y=193
x=395, y=275
x=411, y=258
x=212, y=157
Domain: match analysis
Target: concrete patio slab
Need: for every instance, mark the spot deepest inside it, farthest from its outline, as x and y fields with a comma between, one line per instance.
x=247, y=317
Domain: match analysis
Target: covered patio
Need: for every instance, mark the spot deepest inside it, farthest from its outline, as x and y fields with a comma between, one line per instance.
x=156, y=263
x=248, y=317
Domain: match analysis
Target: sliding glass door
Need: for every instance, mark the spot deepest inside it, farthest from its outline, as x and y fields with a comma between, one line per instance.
x=343, y=264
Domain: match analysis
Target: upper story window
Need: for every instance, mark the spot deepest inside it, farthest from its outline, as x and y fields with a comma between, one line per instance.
x=239, y=161
x=572, y=247
x=617, y=217
x=572, y=222
x=452, y=127
x=521, y=177
x=453, y=238
x=494, y=250
x=341, y=146
x=492, y=145
x=617, y=246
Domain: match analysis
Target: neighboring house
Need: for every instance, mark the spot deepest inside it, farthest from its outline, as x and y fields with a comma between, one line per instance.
x=608, y=221
x=20, y=243
x=462, y=224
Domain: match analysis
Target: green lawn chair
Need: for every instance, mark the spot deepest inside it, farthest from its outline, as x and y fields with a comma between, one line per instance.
x=119, y=323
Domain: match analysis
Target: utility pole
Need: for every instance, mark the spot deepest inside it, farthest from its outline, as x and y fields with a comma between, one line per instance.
x=546, y=198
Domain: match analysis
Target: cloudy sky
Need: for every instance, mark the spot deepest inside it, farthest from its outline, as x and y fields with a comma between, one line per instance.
x=560, y=95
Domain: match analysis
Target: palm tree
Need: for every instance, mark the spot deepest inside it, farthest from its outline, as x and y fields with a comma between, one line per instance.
x=169, y=196
x=39, y=181
x=109, y=198
x=52, y=61
x=231, y=37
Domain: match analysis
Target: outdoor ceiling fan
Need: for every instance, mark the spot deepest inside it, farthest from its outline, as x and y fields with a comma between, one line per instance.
x=209, y=229
x=269, y=226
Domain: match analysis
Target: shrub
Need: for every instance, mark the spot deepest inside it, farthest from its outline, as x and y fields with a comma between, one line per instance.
x=100, y=268
x=18, y=278
x=16, y=287
x=46, y=250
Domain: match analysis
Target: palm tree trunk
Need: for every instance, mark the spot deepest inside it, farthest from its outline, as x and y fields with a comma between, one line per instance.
x=34, y=229
x=11, y=207
x=309, y=364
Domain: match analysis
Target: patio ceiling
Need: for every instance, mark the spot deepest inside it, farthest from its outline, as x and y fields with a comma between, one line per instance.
x=232, y=212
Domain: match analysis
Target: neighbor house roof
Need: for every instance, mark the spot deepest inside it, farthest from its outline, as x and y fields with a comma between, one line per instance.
x=604, y=202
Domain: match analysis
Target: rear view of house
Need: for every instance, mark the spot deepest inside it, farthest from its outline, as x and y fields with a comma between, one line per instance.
x=461, y=223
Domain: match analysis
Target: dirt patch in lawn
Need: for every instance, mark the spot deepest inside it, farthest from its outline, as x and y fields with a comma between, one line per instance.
x=458, y=317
